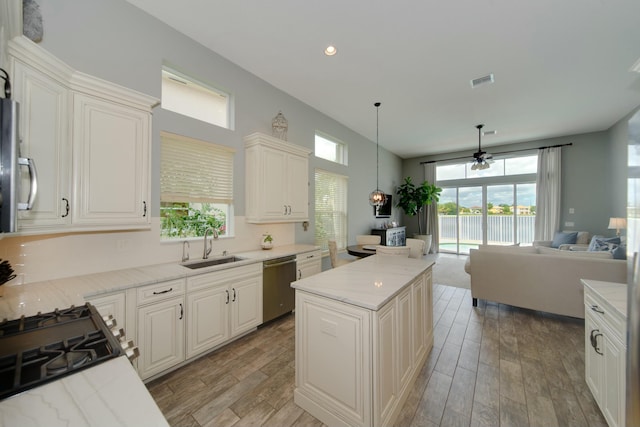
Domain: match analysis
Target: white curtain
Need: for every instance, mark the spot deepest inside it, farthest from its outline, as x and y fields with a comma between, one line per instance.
x=548, y=186
x=431, y=211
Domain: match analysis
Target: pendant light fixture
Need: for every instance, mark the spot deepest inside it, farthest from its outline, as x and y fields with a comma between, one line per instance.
x=377, y=197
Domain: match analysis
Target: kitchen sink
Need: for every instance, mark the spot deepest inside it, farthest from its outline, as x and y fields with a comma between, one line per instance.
x=211, y=262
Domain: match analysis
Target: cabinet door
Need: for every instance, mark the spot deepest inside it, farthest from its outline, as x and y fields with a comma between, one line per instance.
x=111, y=164
x=420, y=311
x=207, y=319
x=593, y=360
x=385, y=382
x=274, y=197
x=308, y=268
x=44, y=133
x=405, y=338
x=298, y=187
x=613, y=392
x=246, y=304
x=160, y=336
x=111, y=305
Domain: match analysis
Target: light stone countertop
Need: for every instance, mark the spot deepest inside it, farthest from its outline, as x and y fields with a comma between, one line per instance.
x=369, y=282
x=31, y=298
x=615, y=294
x=109, y=394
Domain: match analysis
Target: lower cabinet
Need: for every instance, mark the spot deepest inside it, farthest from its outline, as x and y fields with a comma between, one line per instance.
x=161, y=320
x=605, y=357
x=356, y=366
x=222, y=305
x=308, y=264
x=180, y=319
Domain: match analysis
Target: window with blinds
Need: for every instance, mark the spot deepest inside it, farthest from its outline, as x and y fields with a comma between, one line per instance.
x=331, y=209
x=196, y=186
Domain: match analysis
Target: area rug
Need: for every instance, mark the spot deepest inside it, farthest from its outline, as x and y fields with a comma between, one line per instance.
x=449, y=270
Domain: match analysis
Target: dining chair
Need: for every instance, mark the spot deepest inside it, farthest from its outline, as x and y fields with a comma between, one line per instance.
x=333, y=255
x=416, y=247
x=367, y=239
x=393, y=250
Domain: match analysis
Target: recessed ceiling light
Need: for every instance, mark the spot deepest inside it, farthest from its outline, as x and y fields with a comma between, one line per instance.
x=330, y=50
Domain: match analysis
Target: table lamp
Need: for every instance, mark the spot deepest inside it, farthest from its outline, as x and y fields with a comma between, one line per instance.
x=617, y=224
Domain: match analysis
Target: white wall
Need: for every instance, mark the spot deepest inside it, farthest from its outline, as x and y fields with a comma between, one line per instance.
x=113, y=40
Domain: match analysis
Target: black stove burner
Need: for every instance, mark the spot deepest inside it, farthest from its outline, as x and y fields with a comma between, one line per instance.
x=66, y=361
x=41, y=348
x=42, y=320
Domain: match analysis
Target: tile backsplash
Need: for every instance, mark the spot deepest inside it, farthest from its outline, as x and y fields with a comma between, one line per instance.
x=54, y=256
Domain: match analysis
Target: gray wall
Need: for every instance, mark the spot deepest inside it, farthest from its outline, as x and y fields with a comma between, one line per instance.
x=114, y=40
x=588, y=185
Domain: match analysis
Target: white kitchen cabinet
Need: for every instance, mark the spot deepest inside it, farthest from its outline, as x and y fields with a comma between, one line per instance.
x=277, y=180
x=308, y=264
x=111, y=163
x=222, y=305
x=90, y=140
x=355, y=366
x=160, y=320
x=605, y=356
x=40, y=85
x=111, y=305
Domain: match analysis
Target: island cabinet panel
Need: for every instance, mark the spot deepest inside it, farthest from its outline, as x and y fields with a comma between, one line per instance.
x=356, y=359
x=333, y=359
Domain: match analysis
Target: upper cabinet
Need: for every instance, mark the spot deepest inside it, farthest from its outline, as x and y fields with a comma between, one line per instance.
x=277, y=184
x=90, y=140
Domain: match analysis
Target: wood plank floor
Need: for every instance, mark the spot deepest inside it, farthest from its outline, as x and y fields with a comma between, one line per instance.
x=492, y=365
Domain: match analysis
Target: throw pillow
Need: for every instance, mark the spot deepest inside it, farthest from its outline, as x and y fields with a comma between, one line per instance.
x=574, y=254
x=601, y=243
x=561, y=238
x=620, y=252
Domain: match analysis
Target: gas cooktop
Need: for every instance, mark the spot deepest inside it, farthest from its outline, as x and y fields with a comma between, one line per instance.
x=37, y=349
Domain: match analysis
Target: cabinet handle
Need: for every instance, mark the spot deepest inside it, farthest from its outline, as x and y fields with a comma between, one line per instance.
x=227, y=297
x=144, y=209
x=66, y=214
x=234, y=295
x=299, y=274
x=166, y=291
x=597, y=309
x=285, y=210
x=289, y=210
x=181, y=311
x=595, y=333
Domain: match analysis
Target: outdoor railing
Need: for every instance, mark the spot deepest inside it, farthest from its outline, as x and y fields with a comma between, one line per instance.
x=501, y=229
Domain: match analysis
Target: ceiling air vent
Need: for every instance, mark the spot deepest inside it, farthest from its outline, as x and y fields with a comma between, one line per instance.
x=489, y=132
x=482, y=80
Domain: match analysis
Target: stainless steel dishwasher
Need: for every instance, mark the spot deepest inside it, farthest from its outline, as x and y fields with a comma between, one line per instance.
x=278, y=297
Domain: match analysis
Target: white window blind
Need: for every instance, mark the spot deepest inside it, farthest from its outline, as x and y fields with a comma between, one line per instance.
x=331, y=209
x=195, y=171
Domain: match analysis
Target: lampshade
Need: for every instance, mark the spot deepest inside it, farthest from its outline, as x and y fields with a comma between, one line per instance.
x=377, y=197
x=617, y=224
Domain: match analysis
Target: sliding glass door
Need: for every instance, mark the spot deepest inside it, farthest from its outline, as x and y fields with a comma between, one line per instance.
x=494, y=214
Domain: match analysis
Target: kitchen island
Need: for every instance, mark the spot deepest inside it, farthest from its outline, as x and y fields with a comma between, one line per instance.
x=363, y=332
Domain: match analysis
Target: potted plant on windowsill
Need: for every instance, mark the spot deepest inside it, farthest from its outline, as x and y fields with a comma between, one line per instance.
x=412, y=199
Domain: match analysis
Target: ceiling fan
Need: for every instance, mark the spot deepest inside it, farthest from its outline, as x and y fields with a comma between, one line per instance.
x=481, y=159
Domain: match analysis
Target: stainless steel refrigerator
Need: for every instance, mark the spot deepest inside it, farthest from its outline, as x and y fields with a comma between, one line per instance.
x=10, y=168
x=633, y=251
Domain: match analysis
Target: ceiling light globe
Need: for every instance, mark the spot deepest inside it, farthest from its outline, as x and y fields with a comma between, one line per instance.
x=377, y=198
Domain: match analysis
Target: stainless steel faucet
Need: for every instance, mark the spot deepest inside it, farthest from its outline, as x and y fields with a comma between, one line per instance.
x=209, y=247
x=187, y=245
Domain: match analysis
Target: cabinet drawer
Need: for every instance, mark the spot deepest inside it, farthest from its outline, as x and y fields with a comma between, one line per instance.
x=223, y=277
x=160, y=291
x=309, y=256
x=615, y=322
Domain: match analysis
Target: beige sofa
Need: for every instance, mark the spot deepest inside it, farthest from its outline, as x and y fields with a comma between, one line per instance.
x=542, y=279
